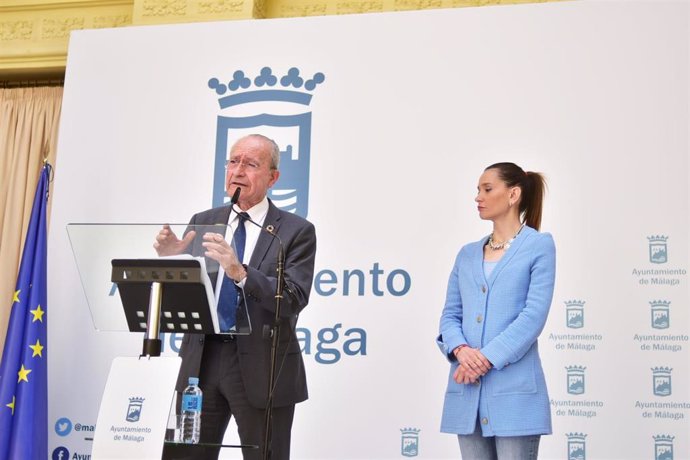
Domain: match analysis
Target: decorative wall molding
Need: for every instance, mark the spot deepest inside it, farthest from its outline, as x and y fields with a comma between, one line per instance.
x=162, y=8
x=358, y=7
x=15, y=30
x=101, y=22
x=34, y=34
x=60, y=28
x=174, y=11
x=221, y=6
x=298, y=9
x=417, y=4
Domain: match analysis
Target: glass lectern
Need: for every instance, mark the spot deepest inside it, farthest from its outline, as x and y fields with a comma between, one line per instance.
x=130, y=287
x=119, y=270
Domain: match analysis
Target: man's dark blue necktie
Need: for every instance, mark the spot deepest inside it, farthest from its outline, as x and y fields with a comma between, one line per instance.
x=229, y=295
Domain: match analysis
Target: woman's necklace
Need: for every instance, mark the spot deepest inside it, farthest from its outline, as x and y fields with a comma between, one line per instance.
x=504, y=244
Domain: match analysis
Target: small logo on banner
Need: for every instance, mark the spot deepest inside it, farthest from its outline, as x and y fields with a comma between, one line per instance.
x=576, y=379
x=663, y=447
x=288, y=124
x=63, y=426
x=661, y=380
x=658, y=251
x=60, y=453
x=576, y=446
x=409, y=446
x=660, y=314
x=575, y=314
x=134, y=409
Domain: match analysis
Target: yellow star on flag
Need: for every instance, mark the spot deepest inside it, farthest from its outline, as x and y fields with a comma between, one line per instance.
x=38, y=314
x=23, y=373
x=11, y=405
x=37, y=348
x=15, y=297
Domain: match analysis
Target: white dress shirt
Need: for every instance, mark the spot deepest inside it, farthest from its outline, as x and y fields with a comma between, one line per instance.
x=257, y=213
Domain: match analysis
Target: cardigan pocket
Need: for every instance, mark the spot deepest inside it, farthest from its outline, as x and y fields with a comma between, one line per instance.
x=517, y=378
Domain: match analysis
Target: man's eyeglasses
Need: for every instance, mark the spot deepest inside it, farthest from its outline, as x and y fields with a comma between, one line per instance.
x=236, y=164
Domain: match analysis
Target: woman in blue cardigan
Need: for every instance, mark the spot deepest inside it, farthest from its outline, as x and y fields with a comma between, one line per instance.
x=498, y=298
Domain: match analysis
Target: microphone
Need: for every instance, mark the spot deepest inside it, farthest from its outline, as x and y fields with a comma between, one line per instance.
x=235, y=198
x=233, y=201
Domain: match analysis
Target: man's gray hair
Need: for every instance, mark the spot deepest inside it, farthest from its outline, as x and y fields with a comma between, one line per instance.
x=275, y=150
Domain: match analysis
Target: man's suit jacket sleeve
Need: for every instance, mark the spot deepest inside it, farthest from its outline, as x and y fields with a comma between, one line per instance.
x=300, y=252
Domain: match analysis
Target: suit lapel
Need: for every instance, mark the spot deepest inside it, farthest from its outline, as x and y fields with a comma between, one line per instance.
x=512, y=250
x=478, y=264
x=224, y=216
x=220, y=216
x=265, y=239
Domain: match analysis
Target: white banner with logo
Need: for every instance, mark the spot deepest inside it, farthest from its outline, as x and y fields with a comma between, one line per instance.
x=133, y=414
x=385, y=123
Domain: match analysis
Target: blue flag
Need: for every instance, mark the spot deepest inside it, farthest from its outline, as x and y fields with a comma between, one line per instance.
x=24, y=369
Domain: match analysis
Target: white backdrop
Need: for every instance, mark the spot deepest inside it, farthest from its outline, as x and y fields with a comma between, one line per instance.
x=413, y=107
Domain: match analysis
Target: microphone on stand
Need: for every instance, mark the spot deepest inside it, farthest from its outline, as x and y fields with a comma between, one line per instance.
x=273, y=332
x=235, y=198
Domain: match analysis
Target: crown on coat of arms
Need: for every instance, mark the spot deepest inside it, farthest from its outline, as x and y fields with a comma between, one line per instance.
x=664, y=437
x=290, y=87
x=574, y=303
x=657, y=238
x=662, y=370
x=659, y=303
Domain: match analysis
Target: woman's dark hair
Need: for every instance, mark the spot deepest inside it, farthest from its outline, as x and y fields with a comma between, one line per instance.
x=533, y=186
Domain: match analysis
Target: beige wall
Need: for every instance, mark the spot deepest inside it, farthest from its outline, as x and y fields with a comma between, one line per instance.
x=34, y=33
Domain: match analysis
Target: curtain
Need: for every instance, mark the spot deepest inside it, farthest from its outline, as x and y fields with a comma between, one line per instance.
x=29, y=119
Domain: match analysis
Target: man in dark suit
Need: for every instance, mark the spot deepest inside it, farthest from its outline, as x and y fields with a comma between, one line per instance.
x=233, y=370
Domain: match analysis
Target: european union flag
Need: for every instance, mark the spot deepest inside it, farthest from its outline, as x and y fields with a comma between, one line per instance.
x=24, y=370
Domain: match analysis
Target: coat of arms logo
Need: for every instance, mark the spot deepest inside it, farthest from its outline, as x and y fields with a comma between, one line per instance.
x=278, y=104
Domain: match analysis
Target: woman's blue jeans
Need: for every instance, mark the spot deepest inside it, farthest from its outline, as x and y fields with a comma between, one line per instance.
x=476, y=447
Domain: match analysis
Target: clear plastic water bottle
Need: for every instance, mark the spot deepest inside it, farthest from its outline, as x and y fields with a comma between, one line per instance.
x=191, y=412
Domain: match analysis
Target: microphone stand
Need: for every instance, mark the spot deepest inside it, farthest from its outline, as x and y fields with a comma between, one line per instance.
x=275, y=338
x=274, y=334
